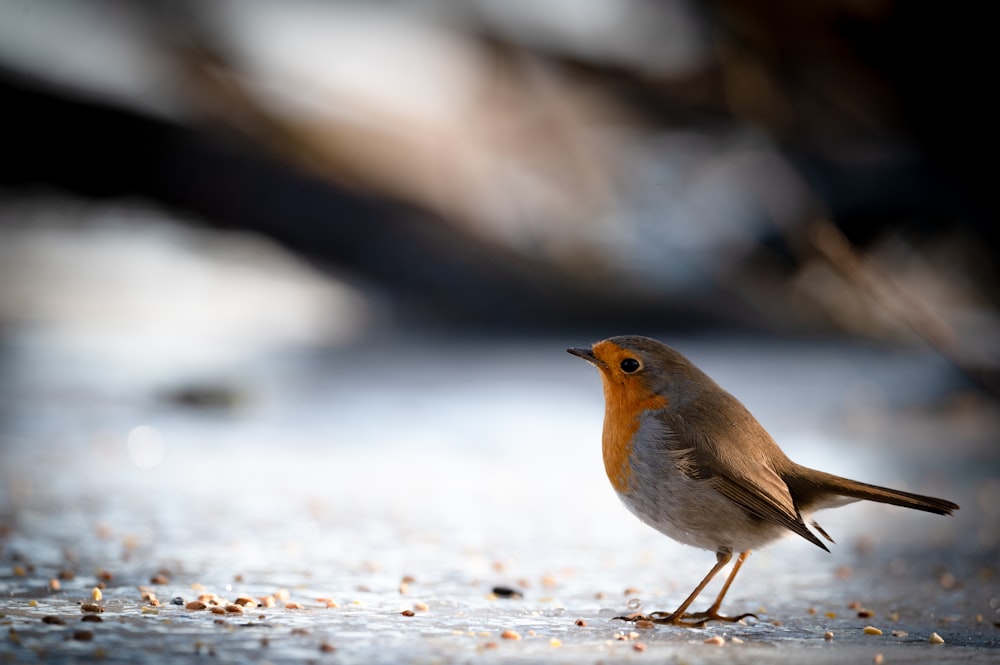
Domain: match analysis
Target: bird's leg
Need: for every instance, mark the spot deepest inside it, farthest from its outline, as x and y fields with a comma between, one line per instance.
x=712, y=614
x=722, y=557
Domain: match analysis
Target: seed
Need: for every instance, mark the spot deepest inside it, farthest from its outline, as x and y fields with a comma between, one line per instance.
x=246, y=601
x=83, y=635
x=555, y=642
x=632, y=591
x=421, y=607
x=19, y=571
x=282, y=594
x=105, y=575
x=92, y=618
x=195, y=605
x=865, y=614
x=91, y=607
x=506, y=592
x=54, y=584
x=936, y=639
x=510, y=635
x=326, y=647
x=828, y=636
x=878, y=659
x=233, y=608
x=159, y=578
x=735, y=640
x=96, y=594
x=408, y=613
x=293, y=606
x=53, y=620
x=718, y=640
x=639, y=646
x=872, y=630
x=267, y=601
x=581, y=622
x=66, y=574
x=217, y=610
x=32, y=603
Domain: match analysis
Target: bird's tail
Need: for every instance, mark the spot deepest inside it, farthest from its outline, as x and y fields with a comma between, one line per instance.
x=818, y=489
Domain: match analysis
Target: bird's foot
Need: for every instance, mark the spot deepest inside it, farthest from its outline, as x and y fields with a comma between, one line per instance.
x=689, y=620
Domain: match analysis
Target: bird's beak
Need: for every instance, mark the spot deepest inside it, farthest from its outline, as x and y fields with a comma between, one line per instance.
x=587, y=355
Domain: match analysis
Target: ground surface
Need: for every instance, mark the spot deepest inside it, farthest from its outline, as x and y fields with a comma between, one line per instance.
x=418, y=478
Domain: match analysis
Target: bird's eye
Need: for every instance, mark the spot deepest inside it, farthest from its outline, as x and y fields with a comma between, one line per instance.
x=630, y=365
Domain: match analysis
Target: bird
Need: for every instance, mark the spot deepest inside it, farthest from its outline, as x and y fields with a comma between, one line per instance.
x=688, y=459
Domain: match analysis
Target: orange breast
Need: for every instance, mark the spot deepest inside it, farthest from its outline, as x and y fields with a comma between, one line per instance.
x=624, y=403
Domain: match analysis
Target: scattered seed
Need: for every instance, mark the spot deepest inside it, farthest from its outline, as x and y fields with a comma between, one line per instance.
x=105, y=575
x=91, y=607
x=91, y=618
x=936, y=639
x=326, y=647
x=19, y=571
x=195, y=605
x=282, y=594
x=632, y=591
x=639, y=646
x=828, y=636
x=54, y=584
x=66, y=575
x=293, y=606
x=421, y=607
x=872, y=630
x=854, y=605
x=233, y=608
x=811, y=611
x=96, y=594
x=718, y=640
x=246, y=601
x=83, y=635
x=900, y=633
x=510, y=635
x=878, y=659
x=408, y=613
x=217, y=610
x=735, y=640
x=490, y=645
x=32, y=603
x=581, y=622
x=865, y=614
x=267, y=601
x=159, y=578
x=53, y=620
x=830, y=615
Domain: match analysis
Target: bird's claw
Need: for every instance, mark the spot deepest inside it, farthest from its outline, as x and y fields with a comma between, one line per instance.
x=690, y=620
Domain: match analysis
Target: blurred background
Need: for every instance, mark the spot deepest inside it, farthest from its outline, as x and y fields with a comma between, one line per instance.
x=321, y=248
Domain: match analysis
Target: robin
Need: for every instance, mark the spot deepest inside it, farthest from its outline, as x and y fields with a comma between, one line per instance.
x=689, y=459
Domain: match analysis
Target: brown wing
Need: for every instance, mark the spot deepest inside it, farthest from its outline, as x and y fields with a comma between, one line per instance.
x=731, y=450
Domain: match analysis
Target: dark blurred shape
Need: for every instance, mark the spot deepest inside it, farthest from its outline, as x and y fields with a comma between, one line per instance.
x=645, y=165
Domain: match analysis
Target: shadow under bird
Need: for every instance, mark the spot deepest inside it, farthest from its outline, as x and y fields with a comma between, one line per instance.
x=689, y=459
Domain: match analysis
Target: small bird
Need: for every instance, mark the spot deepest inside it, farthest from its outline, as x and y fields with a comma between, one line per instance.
x=689, y=459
